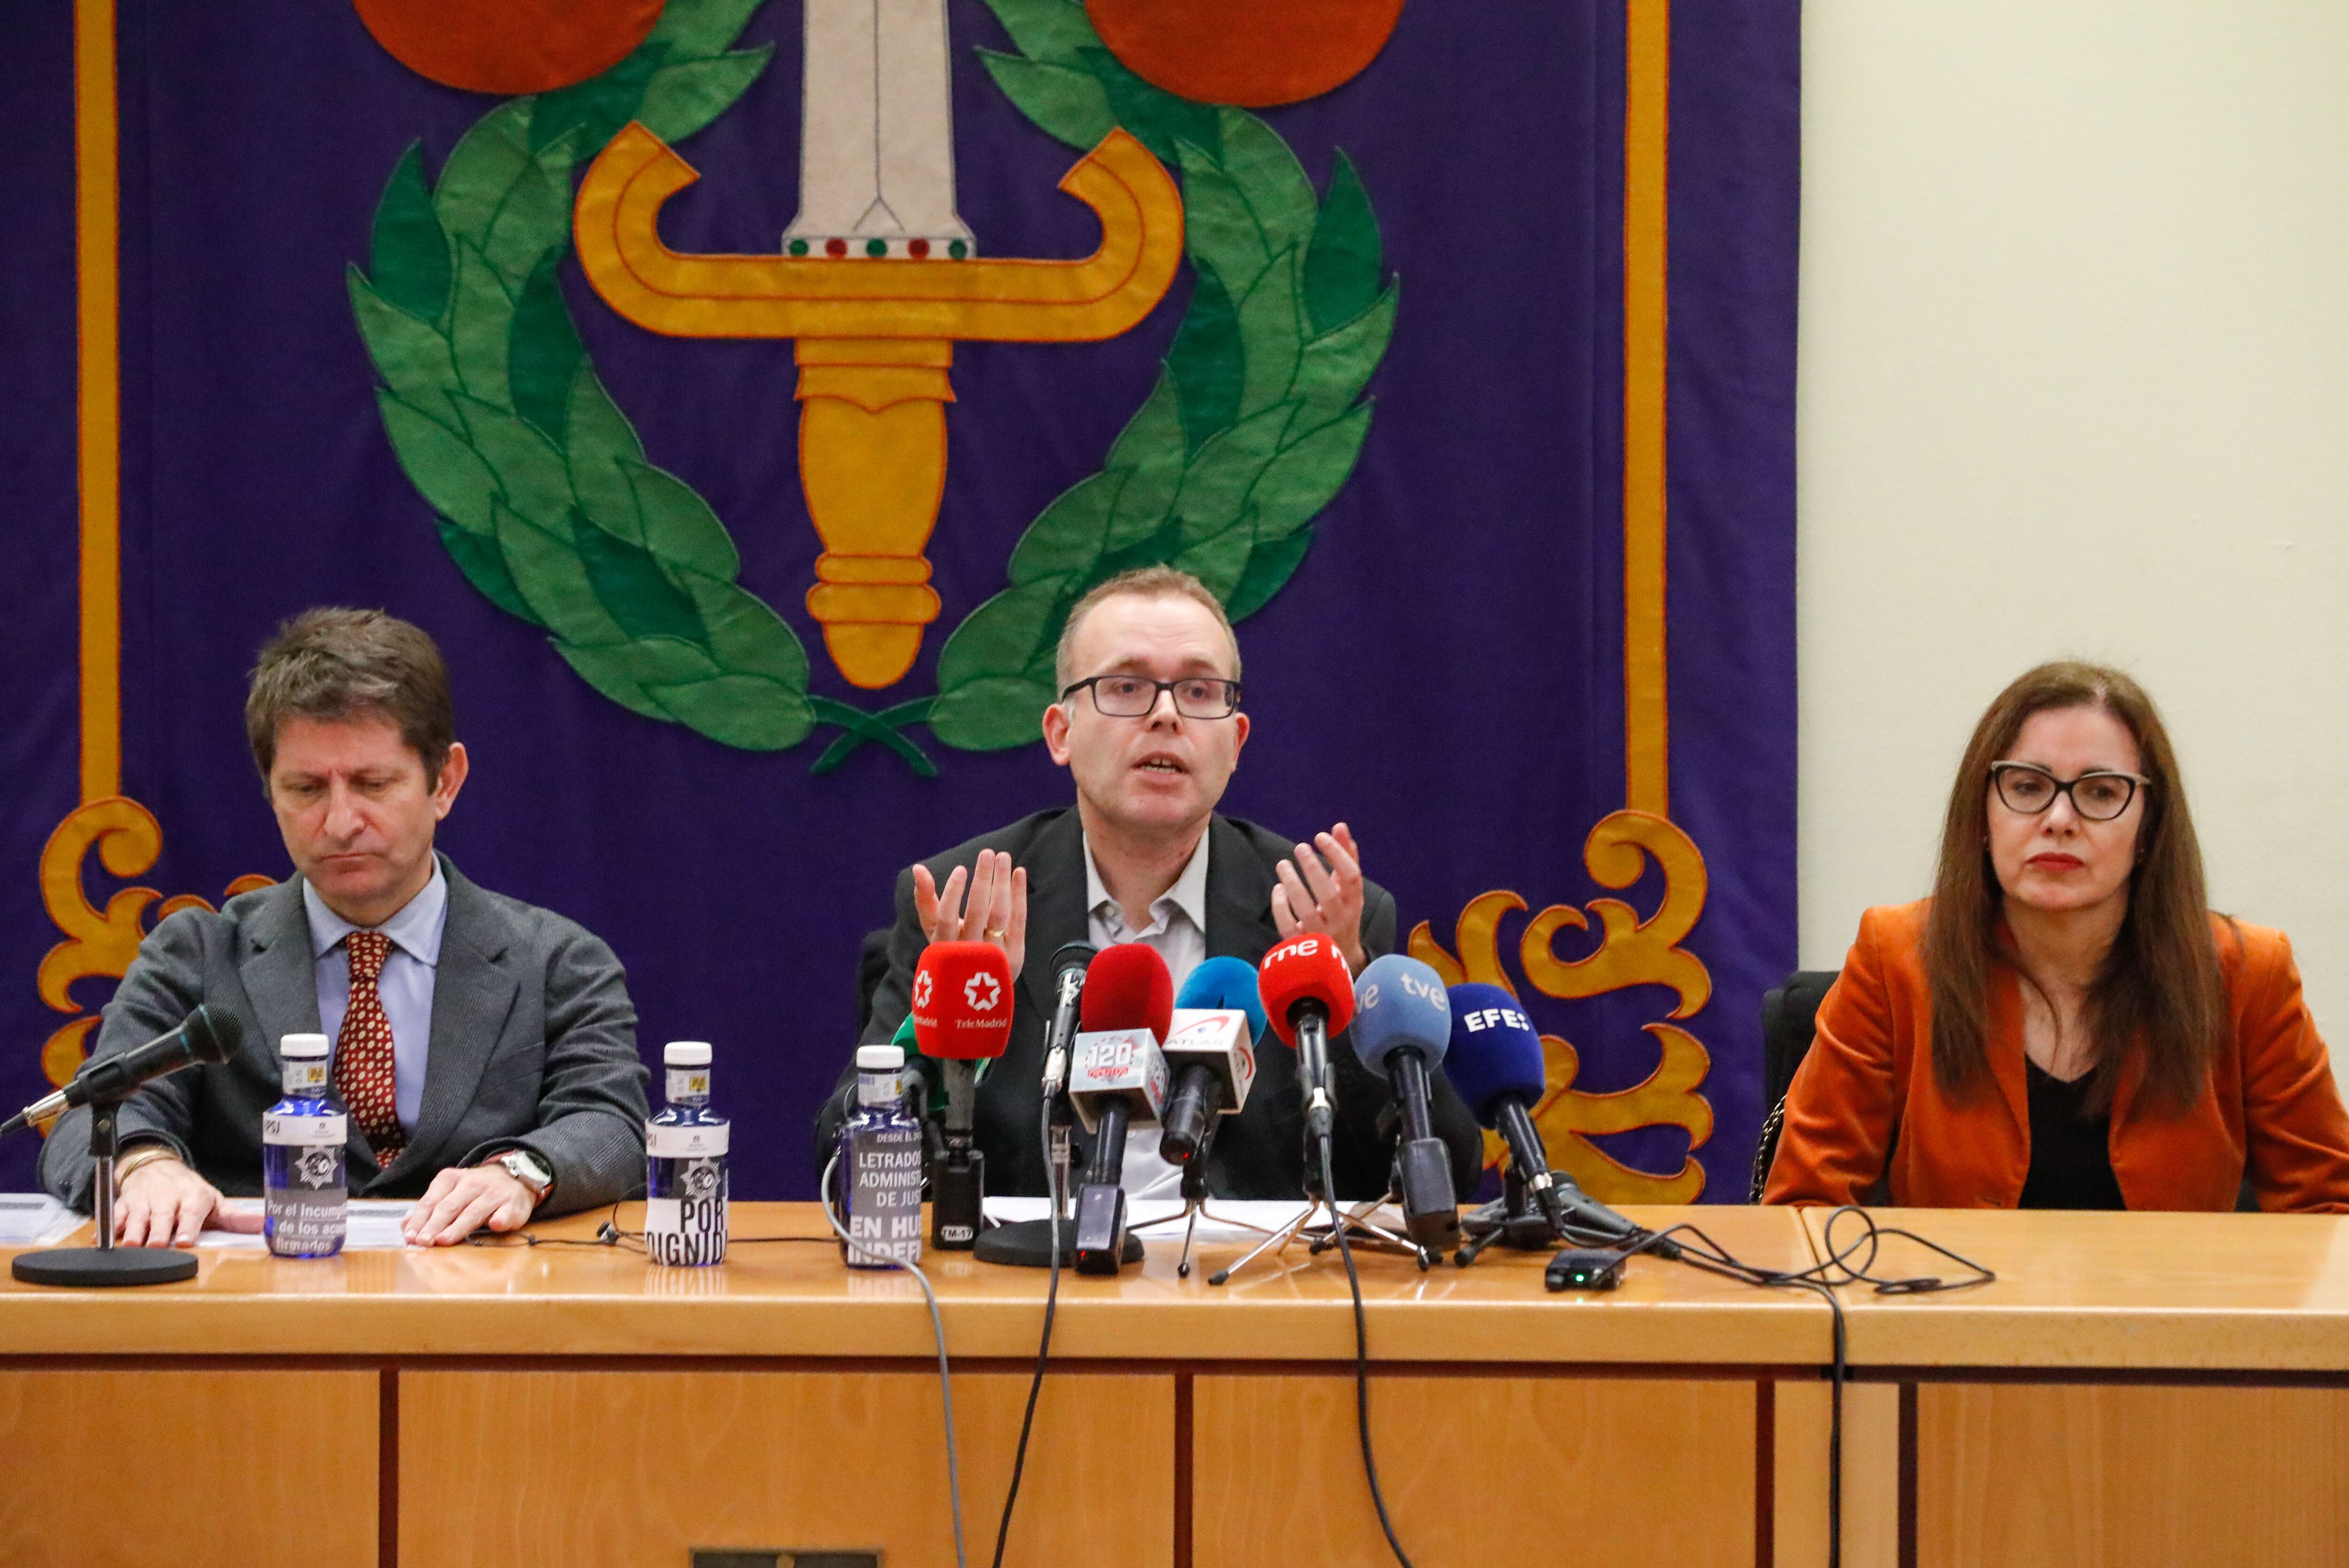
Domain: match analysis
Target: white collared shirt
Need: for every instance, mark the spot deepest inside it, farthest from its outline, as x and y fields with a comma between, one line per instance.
x=405, y=986
x=1179, y=931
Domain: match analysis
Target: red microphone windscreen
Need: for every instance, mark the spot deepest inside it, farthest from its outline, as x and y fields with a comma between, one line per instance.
x=962, y=1000
x=1129, y=986
x=1305, y=969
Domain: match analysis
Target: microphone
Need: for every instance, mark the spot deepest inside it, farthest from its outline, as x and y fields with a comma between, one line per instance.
x=962, y=1018
x=1119, y=1077
x=1211, y=1053
x=1496, y=1065
x=1307, y=998
x=1069, y=967
x=1403, y=1026
x=207, y=1037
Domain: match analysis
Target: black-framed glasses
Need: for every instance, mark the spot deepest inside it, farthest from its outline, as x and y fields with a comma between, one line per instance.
x=2098, y=796
x=1136, y=696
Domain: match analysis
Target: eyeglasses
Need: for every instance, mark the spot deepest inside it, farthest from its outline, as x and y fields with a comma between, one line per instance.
x=1136, y=696
x=2098, y=797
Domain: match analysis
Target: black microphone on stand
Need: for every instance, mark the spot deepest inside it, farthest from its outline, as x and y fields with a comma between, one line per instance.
x=1069, y=967
x=207, y=1037
x=1119, y=1078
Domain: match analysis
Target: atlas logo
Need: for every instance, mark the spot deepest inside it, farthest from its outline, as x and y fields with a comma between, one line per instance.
x=922, y=989
x=981, y=990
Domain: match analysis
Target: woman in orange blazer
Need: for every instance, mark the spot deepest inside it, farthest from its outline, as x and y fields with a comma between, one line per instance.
x=2065, y=1024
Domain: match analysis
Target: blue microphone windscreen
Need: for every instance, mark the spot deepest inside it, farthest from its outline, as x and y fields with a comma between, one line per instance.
x=1399, y=1003
x=1495, y=1050
x=1228, y=984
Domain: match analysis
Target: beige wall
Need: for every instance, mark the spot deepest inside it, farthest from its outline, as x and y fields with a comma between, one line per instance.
x=2075, y=379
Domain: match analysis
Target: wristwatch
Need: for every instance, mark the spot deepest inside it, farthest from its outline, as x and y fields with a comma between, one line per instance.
x=527, y=1169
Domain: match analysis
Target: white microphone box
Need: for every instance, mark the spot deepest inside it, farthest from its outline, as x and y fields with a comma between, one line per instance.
x=1216, y=1035
x=1117, y=1064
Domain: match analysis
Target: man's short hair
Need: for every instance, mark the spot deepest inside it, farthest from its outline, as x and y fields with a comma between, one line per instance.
x=1143, y=583
x=334, y=665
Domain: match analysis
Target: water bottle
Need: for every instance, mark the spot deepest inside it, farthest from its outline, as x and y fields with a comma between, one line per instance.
x=685, y=1165
x=306, y=1194
x=881, y=1157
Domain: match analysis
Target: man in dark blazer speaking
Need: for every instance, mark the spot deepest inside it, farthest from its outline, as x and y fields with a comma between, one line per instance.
x=484, y=1049
x=1148, y=726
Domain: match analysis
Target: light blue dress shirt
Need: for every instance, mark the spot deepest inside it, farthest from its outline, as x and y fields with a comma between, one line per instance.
x=405, y=986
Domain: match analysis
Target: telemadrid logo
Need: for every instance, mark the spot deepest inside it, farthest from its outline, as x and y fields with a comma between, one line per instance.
x=922, y=989
x=982, y=993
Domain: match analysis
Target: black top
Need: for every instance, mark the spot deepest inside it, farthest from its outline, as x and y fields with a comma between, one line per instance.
x=2071, y=1151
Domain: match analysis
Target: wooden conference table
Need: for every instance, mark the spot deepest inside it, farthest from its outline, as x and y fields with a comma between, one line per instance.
x=2134, y=1388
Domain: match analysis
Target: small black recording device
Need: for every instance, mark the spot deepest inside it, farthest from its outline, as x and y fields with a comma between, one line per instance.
x=1584, y=1268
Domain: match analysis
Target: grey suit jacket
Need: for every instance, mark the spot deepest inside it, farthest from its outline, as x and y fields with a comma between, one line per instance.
x=533, y=1046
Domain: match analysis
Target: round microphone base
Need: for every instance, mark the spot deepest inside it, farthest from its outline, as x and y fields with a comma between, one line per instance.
x=1029, y=1245
x=94, y=1266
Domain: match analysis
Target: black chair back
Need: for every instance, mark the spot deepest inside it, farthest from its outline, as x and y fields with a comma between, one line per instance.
x=1790, y=1018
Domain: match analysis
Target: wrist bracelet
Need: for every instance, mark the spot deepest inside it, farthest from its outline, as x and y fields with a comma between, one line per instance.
x=143, y=1154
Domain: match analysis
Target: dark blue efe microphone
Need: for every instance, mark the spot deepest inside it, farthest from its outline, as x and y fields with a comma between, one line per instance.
x=1496, y=1065
x=1211, y=1081
x=1402, y=1027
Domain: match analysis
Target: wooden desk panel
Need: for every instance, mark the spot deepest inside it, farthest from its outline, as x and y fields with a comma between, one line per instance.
x=795, y=1299
x=505, y=1470
x=1476, y=1471
x=242, y=1469
x=2179, y=1292
x=2022, y=1475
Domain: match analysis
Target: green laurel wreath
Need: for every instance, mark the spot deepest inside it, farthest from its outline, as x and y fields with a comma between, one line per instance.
x=546, y=502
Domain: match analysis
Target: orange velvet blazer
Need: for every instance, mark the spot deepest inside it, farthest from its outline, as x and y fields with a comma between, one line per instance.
x=2270, y=1113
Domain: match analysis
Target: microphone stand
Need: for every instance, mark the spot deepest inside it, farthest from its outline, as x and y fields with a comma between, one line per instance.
x=1194, y=1204
x=1511, y=1219
x=105, y=1263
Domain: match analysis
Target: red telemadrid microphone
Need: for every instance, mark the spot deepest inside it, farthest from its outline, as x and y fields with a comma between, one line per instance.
x=962, y=1017
x=1308, y=995
x=1117, y=1077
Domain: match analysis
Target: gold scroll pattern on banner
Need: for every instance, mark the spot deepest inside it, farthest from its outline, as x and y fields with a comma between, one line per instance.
x=1631, y=952
x=128, y=841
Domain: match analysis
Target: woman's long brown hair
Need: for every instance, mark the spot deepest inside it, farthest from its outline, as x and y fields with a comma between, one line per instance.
x=2161, y=994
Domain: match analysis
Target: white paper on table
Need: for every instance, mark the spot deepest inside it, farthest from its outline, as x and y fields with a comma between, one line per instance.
x=374, y=1226
x=1215, y=1222
x=34, y=1219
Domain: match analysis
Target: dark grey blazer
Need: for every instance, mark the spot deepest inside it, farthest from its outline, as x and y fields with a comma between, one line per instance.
x=533, y=1046
x=1258, y=1153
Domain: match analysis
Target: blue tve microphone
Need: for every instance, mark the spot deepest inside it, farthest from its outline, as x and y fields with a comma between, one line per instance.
x=1403, y=1026
x=1496, y=1065
x=1212, y=1069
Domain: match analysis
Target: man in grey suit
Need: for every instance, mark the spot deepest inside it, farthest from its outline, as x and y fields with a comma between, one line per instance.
x=484, y=1049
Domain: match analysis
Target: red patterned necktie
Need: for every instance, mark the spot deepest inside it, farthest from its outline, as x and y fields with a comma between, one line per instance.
x=365, y=1069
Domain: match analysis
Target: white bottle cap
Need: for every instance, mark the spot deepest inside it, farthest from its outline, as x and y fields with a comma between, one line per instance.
x=301, y=1047
x=686, y=1053
x=880, y=1058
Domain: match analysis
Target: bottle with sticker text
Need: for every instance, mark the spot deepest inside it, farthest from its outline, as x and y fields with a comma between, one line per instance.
x=685, y=1165
x=306, y=1201
x=881, y=1163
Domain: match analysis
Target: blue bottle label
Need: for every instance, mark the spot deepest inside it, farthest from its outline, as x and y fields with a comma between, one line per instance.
x=304, y=1179
x=685, y=1192
x=884, y=1158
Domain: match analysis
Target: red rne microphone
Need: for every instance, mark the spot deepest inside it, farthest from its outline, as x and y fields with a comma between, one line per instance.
x=1302, y=971
x=1128, y=986
x=962, y=1001
x=1308, y=995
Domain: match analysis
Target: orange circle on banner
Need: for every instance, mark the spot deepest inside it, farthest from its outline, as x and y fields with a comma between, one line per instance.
x=1253, y=53
x=509, y=46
